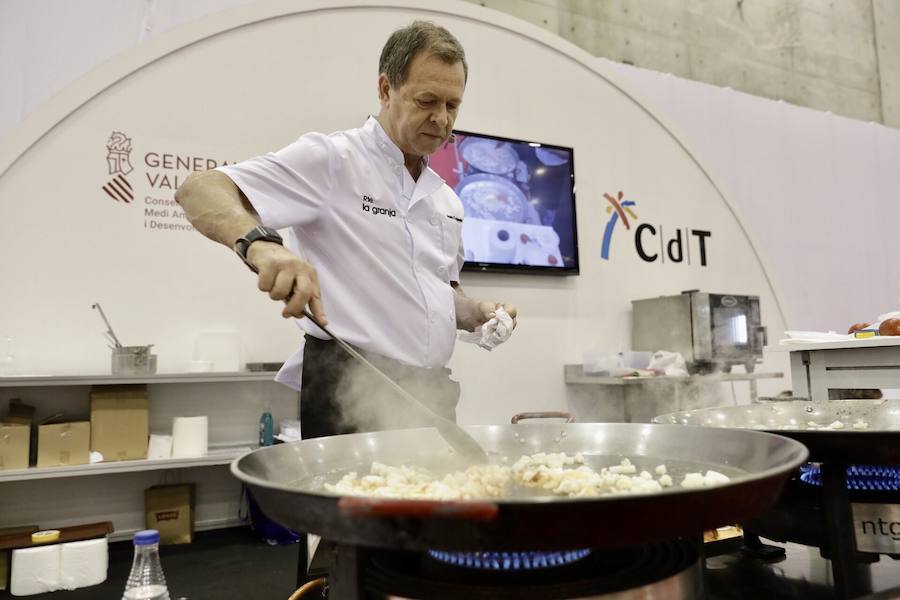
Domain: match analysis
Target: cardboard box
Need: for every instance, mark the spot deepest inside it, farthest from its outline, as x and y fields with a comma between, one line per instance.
x=15, y=446
x=120, y=421
x=64, y=444
x=170, y=510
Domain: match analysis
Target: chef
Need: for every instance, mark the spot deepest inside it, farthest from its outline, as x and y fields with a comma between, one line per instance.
x=374, y=244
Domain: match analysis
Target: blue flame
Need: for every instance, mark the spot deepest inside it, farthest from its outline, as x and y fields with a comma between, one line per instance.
x=509, y=561
x=859, y=477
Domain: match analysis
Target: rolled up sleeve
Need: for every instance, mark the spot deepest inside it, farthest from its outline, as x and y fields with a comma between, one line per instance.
x=287, y=187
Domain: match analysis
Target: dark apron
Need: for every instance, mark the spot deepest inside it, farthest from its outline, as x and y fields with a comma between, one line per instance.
x=340, y=395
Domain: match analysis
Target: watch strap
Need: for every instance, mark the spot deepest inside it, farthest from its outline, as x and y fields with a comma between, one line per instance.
x=258, y=233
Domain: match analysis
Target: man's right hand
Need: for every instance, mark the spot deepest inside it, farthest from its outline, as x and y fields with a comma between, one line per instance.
x=285, y=277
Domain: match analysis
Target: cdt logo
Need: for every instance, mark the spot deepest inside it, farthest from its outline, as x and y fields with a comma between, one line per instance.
x=618, y=210
x=650, y=241
x=118, y=159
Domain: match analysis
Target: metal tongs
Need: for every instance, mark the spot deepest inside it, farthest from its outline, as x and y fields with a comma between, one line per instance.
x=110, y=334
x=452, y=433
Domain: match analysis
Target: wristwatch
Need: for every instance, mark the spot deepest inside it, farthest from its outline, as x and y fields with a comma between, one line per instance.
x=258, y=233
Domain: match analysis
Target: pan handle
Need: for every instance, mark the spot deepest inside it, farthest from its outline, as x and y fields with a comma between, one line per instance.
x=358, y=507
x=552, y=414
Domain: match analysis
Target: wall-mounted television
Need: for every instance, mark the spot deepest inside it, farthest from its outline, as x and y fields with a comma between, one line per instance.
x=519, y=201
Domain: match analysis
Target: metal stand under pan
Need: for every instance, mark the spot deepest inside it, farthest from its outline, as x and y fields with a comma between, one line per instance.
x=670, y=570
x=823, y=515
x=817, y=509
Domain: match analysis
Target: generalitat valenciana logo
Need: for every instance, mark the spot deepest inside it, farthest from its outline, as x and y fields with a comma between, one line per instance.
x=118, y=159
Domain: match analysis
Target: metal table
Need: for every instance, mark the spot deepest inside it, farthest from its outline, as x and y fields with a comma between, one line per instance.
x=642, y=398
x=817, y=367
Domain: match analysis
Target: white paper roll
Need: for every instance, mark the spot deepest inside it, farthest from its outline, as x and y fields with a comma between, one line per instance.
x=84, y=563
x=160, y=447
x=190, y=436
x=35, y=570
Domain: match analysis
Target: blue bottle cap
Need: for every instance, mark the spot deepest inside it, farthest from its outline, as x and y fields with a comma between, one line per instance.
x=146, y=537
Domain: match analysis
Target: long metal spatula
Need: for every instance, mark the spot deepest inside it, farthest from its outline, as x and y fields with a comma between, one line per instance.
x=461, y=441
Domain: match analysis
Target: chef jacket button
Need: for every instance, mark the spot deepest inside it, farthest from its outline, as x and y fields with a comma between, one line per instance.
x=442, y=270
x=434, y=220
x=398, y=169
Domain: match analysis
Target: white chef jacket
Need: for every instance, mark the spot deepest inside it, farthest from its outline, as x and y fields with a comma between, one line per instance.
x=385, y=247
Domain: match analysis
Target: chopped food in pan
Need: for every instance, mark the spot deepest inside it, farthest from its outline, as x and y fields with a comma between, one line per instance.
x=558, y=474
x=834, y=425
x=859, y=424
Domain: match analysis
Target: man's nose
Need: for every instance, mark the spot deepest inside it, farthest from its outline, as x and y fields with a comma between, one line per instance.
x=440, y=117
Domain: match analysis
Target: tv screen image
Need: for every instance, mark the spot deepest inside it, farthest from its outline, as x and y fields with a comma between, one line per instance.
x=519, y=201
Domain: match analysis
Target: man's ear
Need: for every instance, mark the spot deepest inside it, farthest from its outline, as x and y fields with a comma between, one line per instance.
x=384, y=88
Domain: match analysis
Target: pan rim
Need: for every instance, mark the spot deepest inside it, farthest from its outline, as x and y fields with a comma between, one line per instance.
x=797, y=454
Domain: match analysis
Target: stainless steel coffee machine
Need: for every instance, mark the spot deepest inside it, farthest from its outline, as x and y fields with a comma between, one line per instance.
x=711, y=331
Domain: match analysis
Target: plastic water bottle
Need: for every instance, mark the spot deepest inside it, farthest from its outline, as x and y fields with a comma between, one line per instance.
x=265, y=429
x=146, y=581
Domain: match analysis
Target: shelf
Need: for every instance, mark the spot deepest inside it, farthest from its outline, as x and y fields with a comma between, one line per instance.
x=575, y=374
x=75, y=533
x=73, y=380
x=216, y=456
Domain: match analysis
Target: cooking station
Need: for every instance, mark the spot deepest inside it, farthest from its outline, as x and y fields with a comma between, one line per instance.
x=856, y=499
x=840, y=502
x=844, y=503
x=620, y=546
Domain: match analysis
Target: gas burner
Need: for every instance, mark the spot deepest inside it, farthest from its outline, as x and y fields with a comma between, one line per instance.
x=509, y=561
x=859, y=477
x=671, y=570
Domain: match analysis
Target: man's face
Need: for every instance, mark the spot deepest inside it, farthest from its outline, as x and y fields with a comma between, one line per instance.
x=419, y=115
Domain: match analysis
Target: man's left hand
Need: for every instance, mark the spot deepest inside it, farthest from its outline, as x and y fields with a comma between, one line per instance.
x=482, y=311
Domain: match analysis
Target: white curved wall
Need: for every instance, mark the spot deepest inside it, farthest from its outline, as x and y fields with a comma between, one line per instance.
x=818, y=191
x=237, y=84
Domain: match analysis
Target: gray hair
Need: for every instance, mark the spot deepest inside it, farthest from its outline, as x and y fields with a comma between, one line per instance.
x=419, y=36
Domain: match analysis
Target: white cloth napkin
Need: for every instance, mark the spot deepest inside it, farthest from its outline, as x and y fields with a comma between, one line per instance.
x=671, y=363
x=491, y=334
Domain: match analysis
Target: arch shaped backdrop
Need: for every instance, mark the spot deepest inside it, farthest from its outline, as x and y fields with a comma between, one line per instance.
x=252, y=79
